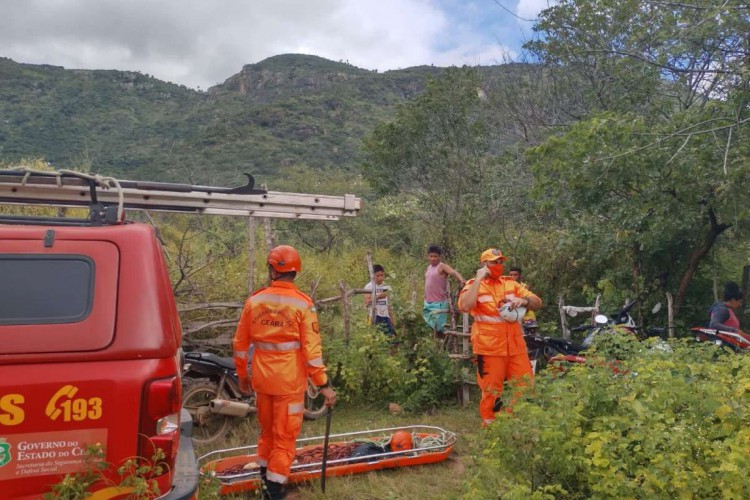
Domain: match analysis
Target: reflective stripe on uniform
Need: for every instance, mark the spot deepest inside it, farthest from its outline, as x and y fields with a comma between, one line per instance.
x=262, y=462
x=276, y=478
x=278, y=346
x=240, y=354
x=272, y=298
x=485, y=298
x=296, y=408
x=317, y=362
x=489, y=319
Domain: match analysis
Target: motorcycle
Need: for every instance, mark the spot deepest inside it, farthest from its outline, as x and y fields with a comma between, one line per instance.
x=211, y=394
x=734, y=341
x=622, y=320
x=530, y=327
x=549, y=350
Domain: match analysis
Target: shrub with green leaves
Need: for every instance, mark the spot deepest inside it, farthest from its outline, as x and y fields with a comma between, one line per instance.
x=372, y=369
x=366, y=369
x=672, y=425
x=134, y=476
x=430, y=378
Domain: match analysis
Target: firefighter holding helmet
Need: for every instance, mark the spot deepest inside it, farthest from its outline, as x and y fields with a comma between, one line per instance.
x=281, y=322
x=497, y=303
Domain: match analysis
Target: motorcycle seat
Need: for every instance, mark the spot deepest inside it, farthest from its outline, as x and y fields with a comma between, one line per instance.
x=564, y=345
x=211, y=358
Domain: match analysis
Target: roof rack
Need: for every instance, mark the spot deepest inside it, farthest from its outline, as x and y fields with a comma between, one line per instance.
x=107, y=198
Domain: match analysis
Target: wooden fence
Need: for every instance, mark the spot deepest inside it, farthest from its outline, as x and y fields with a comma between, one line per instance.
x=227, y=325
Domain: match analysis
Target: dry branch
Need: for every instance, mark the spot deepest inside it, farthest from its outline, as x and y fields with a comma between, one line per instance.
x=225, y=339
x=349, y=293
x=209, y=305
x=192, y=328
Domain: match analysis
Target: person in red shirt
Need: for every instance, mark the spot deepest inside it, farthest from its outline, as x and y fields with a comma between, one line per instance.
x=497, y=303
x=281, y=322
x=722, y=315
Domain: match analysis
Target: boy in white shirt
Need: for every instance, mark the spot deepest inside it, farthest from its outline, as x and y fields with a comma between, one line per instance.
x=383, y=309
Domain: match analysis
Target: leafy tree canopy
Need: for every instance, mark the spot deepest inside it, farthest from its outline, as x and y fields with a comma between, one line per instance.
x=658, y=158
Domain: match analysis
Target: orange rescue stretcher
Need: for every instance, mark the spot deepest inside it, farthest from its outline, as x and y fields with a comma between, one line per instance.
x=237, y=469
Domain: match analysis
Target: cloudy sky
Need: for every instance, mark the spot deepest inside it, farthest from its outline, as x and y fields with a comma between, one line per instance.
x=200, y=43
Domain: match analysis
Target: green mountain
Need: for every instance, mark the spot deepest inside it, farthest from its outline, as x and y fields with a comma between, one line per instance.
x=286, y=110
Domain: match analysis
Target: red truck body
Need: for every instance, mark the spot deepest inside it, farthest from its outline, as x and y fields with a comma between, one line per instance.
x=89, y=353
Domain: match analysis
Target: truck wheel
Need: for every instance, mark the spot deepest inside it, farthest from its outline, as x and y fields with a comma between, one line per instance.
x=207, y=426
x=314, y=402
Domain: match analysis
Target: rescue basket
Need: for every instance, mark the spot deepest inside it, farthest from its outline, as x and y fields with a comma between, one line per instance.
x=237, y=469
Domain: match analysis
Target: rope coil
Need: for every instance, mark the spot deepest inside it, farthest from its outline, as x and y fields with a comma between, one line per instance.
x=103, y=182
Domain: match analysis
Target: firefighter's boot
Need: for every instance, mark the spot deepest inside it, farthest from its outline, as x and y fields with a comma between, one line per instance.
x=273, y=491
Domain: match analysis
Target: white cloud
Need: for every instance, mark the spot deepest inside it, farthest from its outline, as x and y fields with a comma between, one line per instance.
x=530, y=9
x=201, y=43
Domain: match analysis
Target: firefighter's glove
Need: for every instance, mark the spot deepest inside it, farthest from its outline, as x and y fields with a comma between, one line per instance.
x=245, y=386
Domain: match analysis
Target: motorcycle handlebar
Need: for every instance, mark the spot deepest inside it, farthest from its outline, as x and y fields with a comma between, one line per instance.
x=628, y=307
x=581, y=328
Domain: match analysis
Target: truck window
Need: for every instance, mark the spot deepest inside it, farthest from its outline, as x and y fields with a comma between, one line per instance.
x=45, y=289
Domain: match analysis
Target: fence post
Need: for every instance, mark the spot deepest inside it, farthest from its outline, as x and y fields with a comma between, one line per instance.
x=465, y=350
x=345, y=310
x=596, y=309
x=563, y=321
x=314, y=287
x=251, y=254
x=374, y=294
x=267, y=230
x=670, y=315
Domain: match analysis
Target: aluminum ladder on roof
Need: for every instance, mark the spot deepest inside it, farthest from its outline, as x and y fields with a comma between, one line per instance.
x=24, y=186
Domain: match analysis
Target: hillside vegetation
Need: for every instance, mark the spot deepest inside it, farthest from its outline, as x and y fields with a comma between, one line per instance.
x=285, y=110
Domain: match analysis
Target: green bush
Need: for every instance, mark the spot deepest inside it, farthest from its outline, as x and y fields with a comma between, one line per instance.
x=366, y=370
x=371, y=369
x=430, y=378
x=671, y=425
x=134, y=477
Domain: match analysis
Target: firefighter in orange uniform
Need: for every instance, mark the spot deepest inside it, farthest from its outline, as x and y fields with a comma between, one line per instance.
x=497, y=340
x=281, y=322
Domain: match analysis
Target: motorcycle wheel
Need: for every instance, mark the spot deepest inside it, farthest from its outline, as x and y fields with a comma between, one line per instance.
x=541, y=361
x=207, y=427
x=314, y=402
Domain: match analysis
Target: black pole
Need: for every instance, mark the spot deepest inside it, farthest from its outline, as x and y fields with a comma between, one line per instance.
x=325, y=450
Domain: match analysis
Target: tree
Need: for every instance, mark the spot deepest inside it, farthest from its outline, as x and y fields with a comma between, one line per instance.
x=435, y=152
x=657, y=156
x=632, y=54
x=664, y=210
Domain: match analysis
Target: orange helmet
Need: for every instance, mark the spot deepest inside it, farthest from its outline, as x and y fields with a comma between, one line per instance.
x=401, y=440
x=285, y=259
x=492, y=254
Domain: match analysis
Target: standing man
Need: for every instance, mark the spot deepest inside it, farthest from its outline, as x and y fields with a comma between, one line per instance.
x=497, y=340
x=383, y=310
x=436, y=306
x=529, y=319
x=281, y=322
